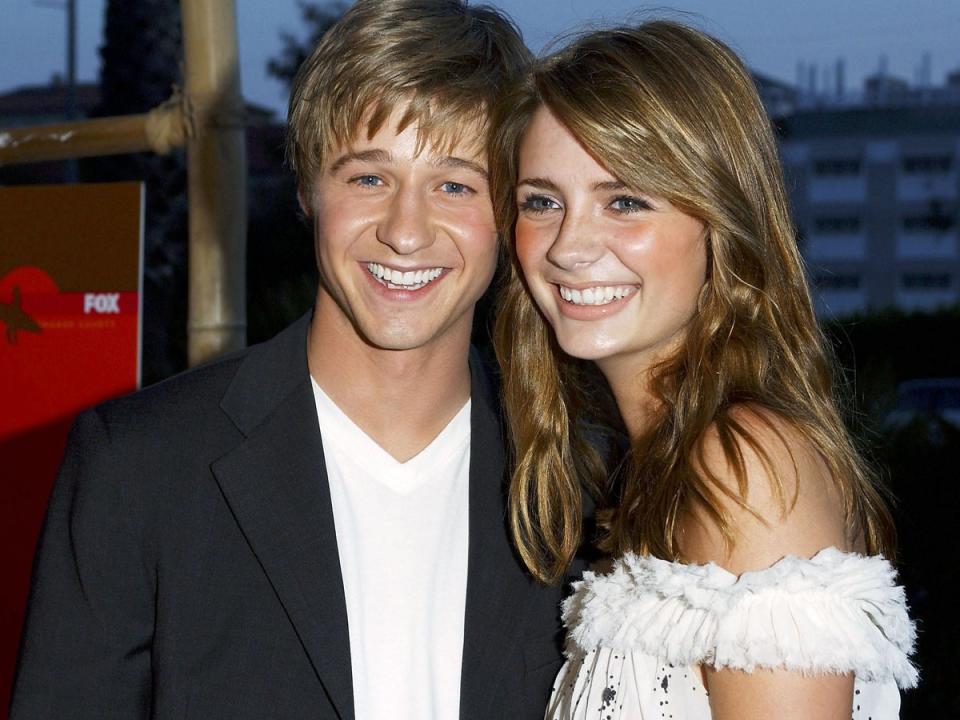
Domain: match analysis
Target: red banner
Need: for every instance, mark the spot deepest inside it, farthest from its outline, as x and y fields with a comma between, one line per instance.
x=70, y=272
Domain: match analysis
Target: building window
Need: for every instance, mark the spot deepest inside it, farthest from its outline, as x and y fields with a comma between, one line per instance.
x=927, y=164
x=838, y=225
x=925, y=281
x=837, y=167
x=928, y=222
x=835, y=281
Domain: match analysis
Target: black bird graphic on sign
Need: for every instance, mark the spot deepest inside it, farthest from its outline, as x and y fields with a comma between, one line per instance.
x=16, y=320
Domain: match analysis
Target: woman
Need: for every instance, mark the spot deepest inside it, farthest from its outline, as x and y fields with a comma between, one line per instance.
x=640, y=176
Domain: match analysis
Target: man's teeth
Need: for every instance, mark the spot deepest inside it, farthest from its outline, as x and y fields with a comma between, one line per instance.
x=595, y=295
x=410, y=280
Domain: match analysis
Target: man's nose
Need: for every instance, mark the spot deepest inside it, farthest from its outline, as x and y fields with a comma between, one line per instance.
x=406, y=226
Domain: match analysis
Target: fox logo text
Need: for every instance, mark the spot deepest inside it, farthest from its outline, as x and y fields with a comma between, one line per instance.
x=101, y=303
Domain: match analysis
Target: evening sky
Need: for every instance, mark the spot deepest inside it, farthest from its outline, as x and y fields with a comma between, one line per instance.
x=772, y=35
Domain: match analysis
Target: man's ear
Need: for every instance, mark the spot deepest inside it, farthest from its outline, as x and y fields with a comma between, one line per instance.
x=303, y=199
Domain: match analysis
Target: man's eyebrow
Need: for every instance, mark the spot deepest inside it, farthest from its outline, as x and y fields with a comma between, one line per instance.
x=540, y=184
x=378, y=156
x=452, y=161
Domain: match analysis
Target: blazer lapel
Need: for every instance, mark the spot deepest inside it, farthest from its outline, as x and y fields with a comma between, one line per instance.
x=493, y=607
x=275, y=482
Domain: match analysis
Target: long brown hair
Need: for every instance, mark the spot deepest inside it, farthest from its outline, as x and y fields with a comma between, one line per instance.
x=673, y=112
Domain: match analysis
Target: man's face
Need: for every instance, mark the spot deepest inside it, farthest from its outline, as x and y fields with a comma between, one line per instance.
x=405, y=241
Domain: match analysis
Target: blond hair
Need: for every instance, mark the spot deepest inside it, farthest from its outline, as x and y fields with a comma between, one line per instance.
x=674, y=113
x=444, y=61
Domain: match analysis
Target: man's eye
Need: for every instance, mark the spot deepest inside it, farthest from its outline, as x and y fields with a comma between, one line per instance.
x=455, y=188
x=629, y=204
x=367, y=181
x=538, y=204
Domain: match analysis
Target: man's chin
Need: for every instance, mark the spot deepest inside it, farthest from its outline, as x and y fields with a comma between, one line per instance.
x=397, y=339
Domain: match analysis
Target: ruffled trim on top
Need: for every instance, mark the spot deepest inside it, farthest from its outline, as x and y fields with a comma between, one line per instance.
x=834, y=613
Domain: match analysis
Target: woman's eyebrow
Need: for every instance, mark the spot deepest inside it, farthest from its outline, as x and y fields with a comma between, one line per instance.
x=540, y=184
x=610, y=185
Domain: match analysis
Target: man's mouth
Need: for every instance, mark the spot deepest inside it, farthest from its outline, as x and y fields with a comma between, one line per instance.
x=403, y=280
x=598, y=295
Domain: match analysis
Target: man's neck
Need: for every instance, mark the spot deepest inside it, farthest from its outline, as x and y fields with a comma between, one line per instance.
x=402, y=399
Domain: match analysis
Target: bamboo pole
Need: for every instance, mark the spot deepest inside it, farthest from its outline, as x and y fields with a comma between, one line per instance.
x=216, y=167
x=209, y=119
x=159, y=131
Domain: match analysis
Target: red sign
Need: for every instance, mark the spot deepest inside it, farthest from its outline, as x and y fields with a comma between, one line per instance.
x=70, y=273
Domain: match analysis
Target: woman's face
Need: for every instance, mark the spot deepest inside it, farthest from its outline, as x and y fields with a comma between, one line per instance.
x=616, y=272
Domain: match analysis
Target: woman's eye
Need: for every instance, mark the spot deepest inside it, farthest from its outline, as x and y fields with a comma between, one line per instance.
x=367, y=181
x=538, y=204
x=455, y=188
x=629, y=204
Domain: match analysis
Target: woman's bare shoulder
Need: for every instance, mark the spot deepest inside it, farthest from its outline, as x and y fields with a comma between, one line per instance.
x=788, y=503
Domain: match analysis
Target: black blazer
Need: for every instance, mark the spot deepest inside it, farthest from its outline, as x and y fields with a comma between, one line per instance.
x=188, y=566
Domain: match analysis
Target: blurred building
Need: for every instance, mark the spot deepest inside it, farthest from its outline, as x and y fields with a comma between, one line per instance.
x=779, y=98
x=874, y=184
x=42, y=104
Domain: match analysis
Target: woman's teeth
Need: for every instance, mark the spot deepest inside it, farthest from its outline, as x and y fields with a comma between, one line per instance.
x=398, y=280
x=600, y=295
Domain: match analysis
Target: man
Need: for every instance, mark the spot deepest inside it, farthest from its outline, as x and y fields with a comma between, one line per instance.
x=314, y=527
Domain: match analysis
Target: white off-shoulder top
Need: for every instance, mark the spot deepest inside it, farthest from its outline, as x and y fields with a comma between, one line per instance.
x=637, y=635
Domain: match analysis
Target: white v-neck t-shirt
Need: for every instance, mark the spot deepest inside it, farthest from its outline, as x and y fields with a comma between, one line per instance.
x=402, y=537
